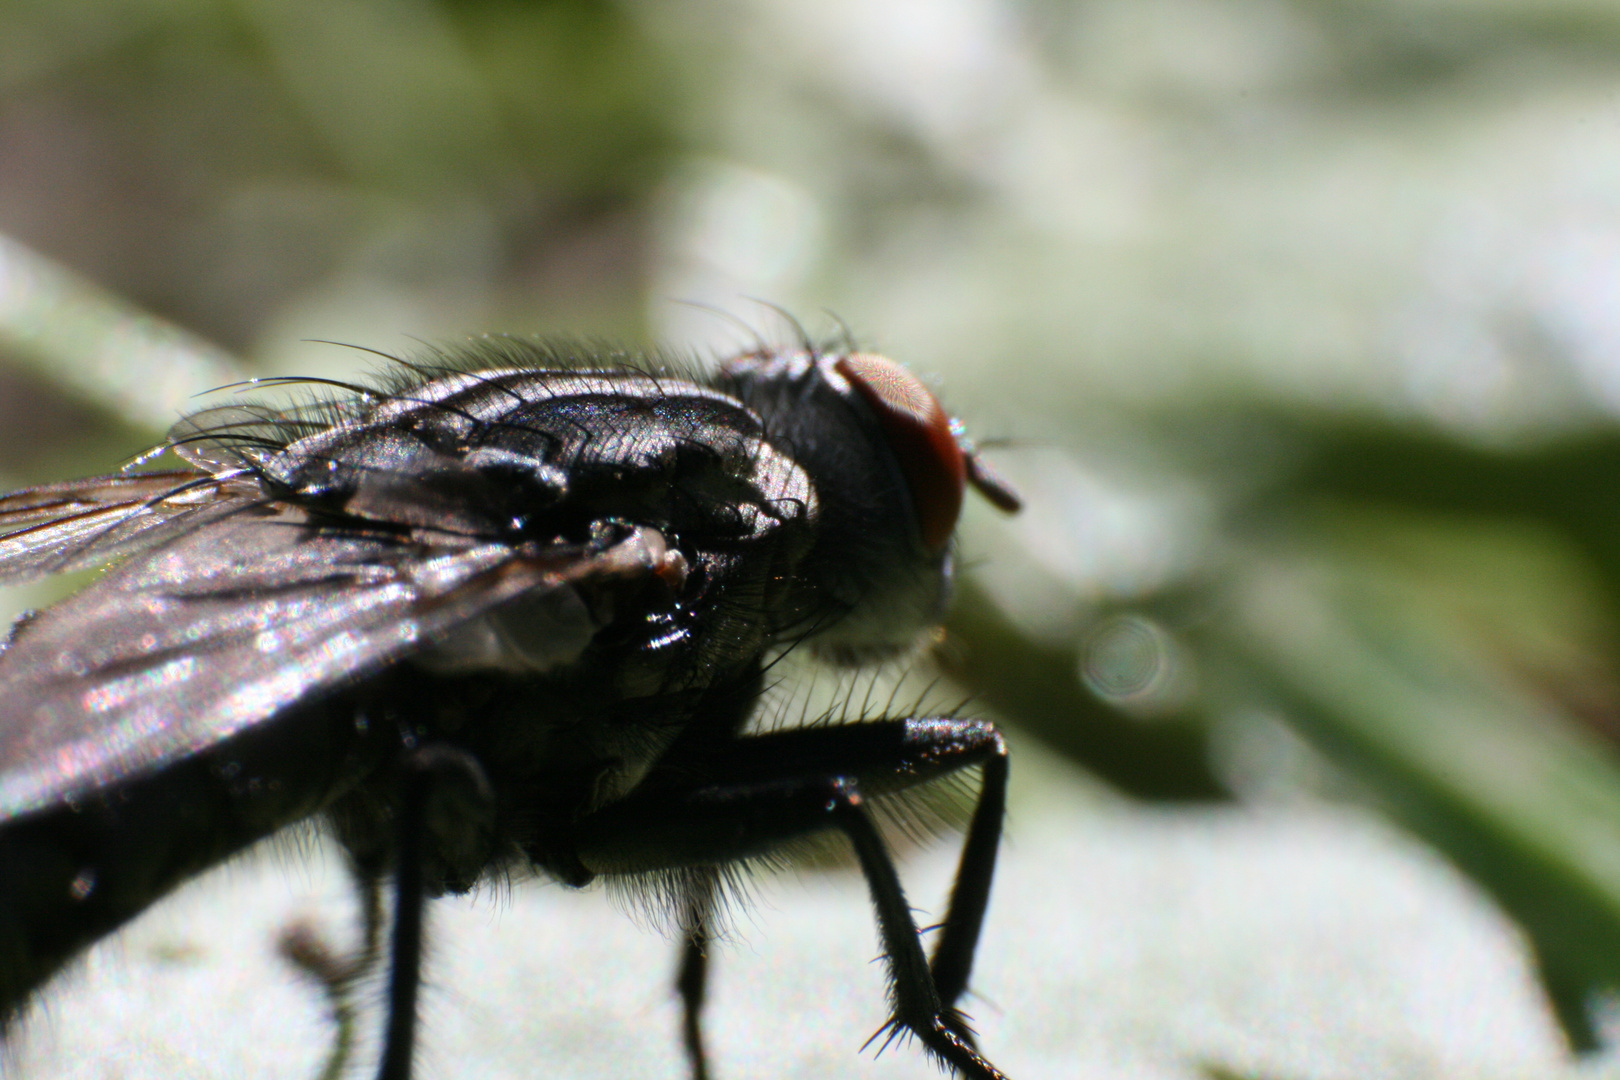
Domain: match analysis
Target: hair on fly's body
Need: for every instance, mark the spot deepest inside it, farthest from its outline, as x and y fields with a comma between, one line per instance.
x=810, y=694
x=512, y=609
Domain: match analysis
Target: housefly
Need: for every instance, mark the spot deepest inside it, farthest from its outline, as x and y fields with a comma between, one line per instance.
x=509, y=610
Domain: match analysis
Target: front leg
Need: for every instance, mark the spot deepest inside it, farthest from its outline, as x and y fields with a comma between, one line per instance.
x=746, y=797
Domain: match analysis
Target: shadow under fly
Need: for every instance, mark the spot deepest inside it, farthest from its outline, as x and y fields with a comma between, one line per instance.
x=510, y=609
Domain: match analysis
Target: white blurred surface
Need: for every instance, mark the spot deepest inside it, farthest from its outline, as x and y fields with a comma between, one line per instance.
x=1122, y=943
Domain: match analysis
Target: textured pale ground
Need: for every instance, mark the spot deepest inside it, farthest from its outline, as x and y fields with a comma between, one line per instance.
x=1123, y=943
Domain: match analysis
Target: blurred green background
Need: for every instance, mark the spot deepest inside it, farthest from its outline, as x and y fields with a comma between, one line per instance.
x=1298, y=322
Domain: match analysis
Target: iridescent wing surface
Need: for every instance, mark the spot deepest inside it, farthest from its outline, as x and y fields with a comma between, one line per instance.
x=246, y=608
x=79, y=524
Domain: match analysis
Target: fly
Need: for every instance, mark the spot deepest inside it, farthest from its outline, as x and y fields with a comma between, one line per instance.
x=511, y=609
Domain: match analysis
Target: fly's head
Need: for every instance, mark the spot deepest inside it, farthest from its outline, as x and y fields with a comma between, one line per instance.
x=890, y=468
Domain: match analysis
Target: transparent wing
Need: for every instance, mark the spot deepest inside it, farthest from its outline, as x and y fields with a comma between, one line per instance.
x=82, y=523
x=250, y=610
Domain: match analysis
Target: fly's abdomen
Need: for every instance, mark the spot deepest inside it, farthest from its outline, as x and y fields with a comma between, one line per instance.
x=75, y=871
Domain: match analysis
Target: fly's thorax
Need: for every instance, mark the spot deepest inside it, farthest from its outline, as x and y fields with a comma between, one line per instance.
x=540, y=454
x=812, y=496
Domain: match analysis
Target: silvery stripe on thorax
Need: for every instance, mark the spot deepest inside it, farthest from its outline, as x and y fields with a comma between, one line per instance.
x=490, y=396
x=785, y=489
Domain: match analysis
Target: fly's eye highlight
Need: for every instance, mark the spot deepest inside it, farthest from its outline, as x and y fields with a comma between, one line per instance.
x=919, y=432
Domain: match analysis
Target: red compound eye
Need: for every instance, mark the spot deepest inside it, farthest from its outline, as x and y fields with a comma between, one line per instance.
x=919, y=432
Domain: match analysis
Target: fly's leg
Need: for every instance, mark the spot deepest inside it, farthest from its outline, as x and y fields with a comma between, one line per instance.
x=744, y=798
x=916, y=1001
x=405, y=946
x=445, y=809
x=883, y=755
x=691, y=980
x=976, y=869
x=301, y=944
x=371, y=923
